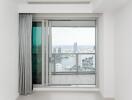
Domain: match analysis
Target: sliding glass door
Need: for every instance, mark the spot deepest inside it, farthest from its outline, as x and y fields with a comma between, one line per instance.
x=64, y=53
x=37, y=52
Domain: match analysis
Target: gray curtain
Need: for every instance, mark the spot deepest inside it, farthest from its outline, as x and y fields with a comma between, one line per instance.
x=25, y=54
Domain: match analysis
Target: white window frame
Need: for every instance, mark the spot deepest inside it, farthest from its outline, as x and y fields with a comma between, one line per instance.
x=45, y=50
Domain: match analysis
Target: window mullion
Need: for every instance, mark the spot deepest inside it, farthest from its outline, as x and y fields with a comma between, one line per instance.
x=47, y=54
x=77, y=62
x=43, y=54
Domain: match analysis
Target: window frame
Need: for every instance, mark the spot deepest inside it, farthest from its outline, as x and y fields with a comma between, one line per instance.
x=61, y=24
x=45, y=51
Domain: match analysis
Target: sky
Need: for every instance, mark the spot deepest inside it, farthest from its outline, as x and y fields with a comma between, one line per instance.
x=67, y=36
x=70, y=35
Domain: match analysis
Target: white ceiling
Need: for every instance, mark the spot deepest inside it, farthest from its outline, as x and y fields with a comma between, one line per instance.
x=98, y=6
x=108, y=5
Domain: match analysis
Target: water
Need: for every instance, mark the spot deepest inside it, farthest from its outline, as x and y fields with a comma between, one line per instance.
x=69, y=63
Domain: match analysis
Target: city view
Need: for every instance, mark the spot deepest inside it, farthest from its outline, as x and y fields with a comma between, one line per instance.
x=76, y=51
x=74, y=58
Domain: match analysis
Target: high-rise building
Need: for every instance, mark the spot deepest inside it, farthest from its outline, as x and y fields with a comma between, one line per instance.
x=75, y=48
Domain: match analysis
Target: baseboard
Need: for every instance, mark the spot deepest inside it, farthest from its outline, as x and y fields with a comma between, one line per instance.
x=109, y=98
x=106, y=98
x=63, y=89
x=17, y=96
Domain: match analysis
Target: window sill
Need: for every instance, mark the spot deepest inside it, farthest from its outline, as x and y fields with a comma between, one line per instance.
x=65, y=89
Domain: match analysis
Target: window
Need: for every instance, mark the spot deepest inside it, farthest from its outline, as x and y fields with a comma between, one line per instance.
x=68, y=51
x=37, y=53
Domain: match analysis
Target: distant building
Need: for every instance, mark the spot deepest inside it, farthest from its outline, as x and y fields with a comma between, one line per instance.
x=59, y=50
x=58, y=56
x=75, y=47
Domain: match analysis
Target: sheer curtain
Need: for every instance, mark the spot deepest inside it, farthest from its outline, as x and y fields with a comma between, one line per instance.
x=25, y=54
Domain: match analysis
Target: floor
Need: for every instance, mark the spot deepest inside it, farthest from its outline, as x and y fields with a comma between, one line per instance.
x=61, y=96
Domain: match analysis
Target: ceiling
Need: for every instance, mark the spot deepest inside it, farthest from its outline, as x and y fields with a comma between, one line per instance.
x=97, y=5
x=108, y=5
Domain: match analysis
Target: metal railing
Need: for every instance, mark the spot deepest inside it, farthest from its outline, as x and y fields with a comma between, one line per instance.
x=76, y=69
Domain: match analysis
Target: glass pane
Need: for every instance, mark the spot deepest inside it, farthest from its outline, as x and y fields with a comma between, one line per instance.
x=64, y=63
x=75, y=79
x=73, y=39
x=86, y=63
x=36, y=53
x=73, y=56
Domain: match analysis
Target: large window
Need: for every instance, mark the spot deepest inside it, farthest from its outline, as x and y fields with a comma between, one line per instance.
x=69, y=52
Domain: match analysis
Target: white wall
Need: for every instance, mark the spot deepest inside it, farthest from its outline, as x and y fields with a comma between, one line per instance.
x=8, y=49
x=106, y=55
x=100, y=54
x=123, y=53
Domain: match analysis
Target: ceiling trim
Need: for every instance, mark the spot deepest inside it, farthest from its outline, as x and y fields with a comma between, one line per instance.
x=58, y=1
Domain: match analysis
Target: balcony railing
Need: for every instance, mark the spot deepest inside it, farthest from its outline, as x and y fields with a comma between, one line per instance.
x=73, y=69
x=81, y=63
